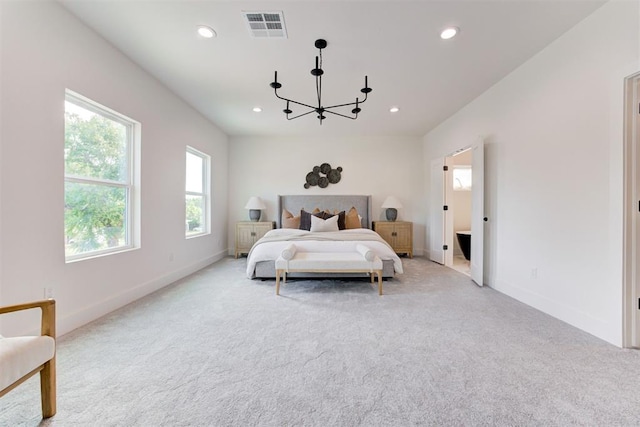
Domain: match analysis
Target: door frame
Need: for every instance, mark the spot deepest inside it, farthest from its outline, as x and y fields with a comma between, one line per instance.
x=631, y=221
x=448, y=236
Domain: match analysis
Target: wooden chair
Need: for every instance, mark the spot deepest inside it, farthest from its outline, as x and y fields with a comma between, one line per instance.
x=23, y=357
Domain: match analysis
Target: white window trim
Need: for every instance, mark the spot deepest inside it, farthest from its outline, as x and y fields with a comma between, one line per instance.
x=206, y=191
x=132, y=186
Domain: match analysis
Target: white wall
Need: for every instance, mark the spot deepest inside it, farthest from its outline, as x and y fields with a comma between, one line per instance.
x=45, y=50
x=553, y=161
x=379, y=167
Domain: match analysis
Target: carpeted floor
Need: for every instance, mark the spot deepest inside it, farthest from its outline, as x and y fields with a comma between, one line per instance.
x=217, y=349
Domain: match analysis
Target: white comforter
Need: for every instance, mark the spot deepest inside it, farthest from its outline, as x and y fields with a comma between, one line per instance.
x=269, y=247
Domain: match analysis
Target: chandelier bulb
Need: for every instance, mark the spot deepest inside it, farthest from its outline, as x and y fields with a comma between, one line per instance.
x=366, y=89
x=275, y=83
x=287, y=111
x=317, y=71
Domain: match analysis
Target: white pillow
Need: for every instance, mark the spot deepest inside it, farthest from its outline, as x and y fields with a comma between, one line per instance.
x=367, y=253
x=289, y=252
x=319, y=224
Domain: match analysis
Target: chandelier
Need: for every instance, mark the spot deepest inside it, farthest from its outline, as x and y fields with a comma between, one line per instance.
x=320, y=108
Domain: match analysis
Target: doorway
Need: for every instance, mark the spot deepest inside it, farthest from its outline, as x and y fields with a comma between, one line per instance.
x=444, y=229
x=458, y=196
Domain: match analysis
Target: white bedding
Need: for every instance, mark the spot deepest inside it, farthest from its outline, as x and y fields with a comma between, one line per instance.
x=269, y=247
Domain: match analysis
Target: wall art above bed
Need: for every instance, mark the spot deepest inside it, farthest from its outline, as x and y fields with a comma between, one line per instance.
x=323, y=175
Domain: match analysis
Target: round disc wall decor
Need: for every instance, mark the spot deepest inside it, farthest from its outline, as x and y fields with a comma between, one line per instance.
x=323, y=175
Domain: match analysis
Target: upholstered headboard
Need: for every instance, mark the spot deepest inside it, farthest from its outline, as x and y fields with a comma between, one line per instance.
x=295, y=203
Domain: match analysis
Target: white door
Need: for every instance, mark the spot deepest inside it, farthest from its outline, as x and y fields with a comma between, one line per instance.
x=477, y=213
x=436, y=222
x=635, y=296
x=448, y=214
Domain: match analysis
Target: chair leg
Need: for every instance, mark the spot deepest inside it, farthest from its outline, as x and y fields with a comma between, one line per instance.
x=48, y=388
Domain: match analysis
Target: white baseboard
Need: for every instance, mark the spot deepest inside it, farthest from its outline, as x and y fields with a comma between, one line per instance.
x=90, y=313
x=571, y=315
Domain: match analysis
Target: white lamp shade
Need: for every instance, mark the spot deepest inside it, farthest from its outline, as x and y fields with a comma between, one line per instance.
x=255, y=203
x=391, y=202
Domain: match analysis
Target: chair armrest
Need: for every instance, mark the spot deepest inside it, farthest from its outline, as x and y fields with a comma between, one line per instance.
x=48, y=320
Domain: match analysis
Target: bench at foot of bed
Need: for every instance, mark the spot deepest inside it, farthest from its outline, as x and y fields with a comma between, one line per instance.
x=316, y=262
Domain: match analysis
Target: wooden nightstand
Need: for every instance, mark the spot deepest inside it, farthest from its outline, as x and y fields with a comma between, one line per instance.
x=398, y=234
x=248, y=232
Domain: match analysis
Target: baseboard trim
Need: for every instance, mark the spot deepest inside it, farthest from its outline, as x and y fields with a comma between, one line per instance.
x=88, y=314
x=574, y=317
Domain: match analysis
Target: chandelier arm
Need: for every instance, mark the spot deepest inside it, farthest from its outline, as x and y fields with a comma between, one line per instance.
x=300, y=115
x=295, y=102
x=341, y=115
x=350, y=103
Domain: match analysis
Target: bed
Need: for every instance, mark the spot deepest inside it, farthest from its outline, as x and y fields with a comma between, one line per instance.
x=261, y=258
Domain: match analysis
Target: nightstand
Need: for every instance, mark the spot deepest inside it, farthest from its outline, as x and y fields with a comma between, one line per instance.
x=248, y=232
x=398, y=234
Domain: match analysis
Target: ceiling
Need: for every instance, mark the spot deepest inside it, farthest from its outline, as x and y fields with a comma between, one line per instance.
x=395, y=43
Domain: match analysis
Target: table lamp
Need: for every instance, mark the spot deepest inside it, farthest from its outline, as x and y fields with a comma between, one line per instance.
x=255, y=206
x=391, y=204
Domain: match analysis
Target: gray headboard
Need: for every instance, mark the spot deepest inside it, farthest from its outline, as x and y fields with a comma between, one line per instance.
x=295, y=203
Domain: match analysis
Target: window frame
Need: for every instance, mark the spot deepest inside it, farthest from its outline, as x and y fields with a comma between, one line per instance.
x=130, y=184
x=206, y=192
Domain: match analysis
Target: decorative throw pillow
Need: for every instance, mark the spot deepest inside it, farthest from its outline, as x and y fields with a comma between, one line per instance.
x=341, y=218
x=305, y=218
x=352, y=219
x=288, y=220
x=320, y=225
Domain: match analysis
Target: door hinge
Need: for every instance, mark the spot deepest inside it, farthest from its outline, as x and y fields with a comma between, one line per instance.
x=445, y=208
x=445, y=247
x=445, y=168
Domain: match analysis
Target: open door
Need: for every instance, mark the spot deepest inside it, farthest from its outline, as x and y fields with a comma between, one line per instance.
x=448, y=213
x=477, y=213
x=436, y=222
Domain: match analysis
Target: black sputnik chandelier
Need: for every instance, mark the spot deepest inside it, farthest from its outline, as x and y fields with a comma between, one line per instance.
x=320, y=109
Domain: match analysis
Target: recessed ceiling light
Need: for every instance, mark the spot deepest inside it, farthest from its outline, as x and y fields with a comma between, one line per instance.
x=257, y=109
x=206, y=32
x=449, y=33
x=394, y=109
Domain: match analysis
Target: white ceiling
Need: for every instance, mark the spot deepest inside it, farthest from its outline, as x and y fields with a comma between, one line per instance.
x=396, y=43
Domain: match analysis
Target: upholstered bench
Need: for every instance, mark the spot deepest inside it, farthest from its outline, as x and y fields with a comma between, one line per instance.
x=22, y=357
x=361, y=261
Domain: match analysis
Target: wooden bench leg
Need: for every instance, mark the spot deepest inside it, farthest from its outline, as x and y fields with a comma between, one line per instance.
x=48, y=388
x=379, y=282
x=278, y=273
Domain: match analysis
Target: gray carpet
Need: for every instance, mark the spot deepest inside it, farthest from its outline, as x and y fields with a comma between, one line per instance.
x=217, y=349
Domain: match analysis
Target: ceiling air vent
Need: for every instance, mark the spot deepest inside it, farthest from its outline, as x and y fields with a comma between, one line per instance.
x=266, y=24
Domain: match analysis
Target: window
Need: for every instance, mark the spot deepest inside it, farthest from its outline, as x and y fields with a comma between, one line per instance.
x=197, y=193
x=462, y=178
x=99, y=179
